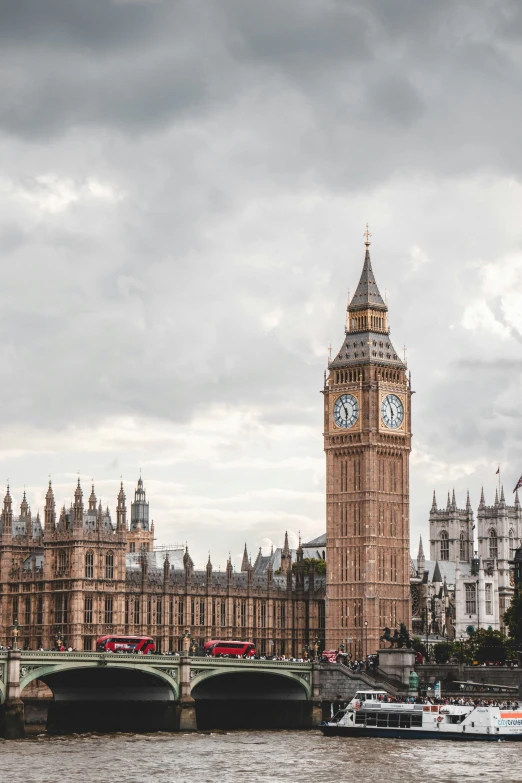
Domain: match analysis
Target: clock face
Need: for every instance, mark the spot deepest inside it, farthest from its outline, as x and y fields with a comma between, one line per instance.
x=392, y=411
x=346, y=411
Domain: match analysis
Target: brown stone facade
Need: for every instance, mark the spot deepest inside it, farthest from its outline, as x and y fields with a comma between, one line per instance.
x=81, y=576
x=367, y=440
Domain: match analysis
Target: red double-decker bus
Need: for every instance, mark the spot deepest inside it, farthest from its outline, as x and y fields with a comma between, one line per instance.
x=125, y=644
x=218, y=647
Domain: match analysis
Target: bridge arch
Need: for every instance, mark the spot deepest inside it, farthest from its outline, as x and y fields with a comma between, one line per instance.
x=300, y=684
x=51, y=671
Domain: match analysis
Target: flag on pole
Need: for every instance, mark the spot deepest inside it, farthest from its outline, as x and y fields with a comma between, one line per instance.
x=519, y=484
x=498, y=471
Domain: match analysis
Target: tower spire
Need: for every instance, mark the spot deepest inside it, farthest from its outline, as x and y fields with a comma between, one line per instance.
x=434, y=502
x=244, y=562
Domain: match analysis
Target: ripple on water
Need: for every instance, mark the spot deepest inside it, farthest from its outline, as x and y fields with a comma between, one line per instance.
x=264, y=756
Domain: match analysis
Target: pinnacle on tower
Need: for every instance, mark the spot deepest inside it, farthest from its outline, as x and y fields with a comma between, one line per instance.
x=502, y=498
x=367, y=293
x=448, y=504
x=436, y=573
x=468, y=502
x=496, y=497
x=517, y=501
x=453, y=501
x=420, y=554
x=209, y=563
x=286, y=548
x=367, y=339
x=244, y=562
x=482, y=501
x=434, y=502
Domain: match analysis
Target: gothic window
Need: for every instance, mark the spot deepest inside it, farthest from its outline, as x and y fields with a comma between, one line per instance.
x=127, y=607
x=62, y=560
x=87, y=611
x=89, y=565
x=149, y=612
x=243, y=614
x=108, y=611
x=488, y=592
x=61, y=609
x=39, y=610
x=263, y=614
x=471, y=599
x=493, y=543
x=463, y=554
x=27, y=613
x=136, y=618
x=512, y=546
x=222, y=614
x=444, y=546
x=159, y=612
x=132, y=546
x=202, y=612
x=109, y=565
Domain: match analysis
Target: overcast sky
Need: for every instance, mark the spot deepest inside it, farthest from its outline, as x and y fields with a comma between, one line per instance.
x=183, y=192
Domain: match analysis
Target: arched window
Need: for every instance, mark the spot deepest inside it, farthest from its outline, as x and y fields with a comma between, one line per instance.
x=109, y=565
x=493, y=543
x=89, y=565
x=444, y=546
x=463, y=553
x=512, y=546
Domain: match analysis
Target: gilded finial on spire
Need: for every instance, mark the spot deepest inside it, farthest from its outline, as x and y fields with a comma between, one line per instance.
x=367, y=236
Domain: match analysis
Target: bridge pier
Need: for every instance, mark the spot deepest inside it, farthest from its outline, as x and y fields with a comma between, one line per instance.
x=12, y=711
x=317, y=704
x=186, y=704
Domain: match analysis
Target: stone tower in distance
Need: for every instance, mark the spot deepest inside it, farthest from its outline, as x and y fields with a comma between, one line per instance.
x=367, y=440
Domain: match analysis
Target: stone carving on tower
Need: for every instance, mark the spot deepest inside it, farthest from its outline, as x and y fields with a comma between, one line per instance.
x=367, y=440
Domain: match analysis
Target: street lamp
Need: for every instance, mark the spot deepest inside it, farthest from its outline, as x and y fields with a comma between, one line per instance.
x=186, y=641
x=366, y=638
x=15, y=628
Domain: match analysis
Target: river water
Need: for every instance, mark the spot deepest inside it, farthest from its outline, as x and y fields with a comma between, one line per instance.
x=256, y=757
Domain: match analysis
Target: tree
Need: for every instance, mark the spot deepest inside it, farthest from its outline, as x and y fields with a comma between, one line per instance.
x=489, y=646
x=513, y=620
x=319, y=566
x=442, y=652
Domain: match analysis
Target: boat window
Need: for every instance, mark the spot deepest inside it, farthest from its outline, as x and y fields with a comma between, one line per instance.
x=393, y=719
x=382, y=720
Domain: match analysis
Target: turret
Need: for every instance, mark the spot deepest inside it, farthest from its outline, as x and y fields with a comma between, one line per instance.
x=92, y=500
x=286, y=556
x=78, y=506
x=49, y=511
x=121, y=510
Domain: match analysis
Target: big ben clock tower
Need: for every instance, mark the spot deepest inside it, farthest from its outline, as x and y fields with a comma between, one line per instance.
x=367, y=440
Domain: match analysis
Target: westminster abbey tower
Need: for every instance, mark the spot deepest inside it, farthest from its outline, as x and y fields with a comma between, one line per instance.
x=367, y=440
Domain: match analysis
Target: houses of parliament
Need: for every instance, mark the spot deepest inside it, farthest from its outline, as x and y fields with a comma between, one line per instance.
x=79, y=574
x=82, y=572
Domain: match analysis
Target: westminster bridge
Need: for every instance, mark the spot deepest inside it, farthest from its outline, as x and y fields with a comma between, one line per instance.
x=127, y=692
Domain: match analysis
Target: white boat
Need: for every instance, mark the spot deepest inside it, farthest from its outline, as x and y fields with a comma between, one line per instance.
x=369, y=715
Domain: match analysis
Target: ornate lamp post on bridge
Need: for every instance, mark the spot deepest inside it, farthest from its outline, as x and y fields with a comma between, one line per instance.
x=15, y=629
